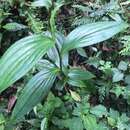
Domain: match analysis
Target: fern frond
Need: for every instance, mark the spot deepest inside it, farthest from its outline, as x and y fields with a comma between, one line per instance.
x=126, y=45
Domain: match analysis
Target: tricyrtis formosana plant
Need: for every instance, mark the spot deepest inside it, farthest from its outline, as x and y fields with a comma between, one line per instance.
x=28, y=52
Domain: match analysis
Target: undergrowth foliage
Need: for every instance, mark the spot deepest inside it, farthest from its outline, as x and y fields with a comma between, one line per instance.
x=53, y=86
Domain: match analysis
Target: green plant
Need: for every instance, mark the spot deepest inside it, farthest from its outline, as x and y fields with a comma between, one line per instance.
x=126, y=46
x=100, y=10
x=52, y=47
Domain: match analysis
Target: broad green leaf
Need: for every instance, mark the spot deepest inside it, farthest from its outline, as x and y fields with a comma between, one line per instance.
x=124, y=118
x=95, y=61
x=99, y=110
x=76, y=83
x=114, y=114
x=14, y=26
x=52, y=102
x=53, y=53
x=42, y=3
x=123, y=66
x=118, y=90
x=79, y=74
x=74, y=123
x=35, y=90
x=90, y=122
x=82, y=109
x=93, y=33
x=117, y=75
x=44, y=64
x=127, y=79
x=81, y=52
x=21, y=57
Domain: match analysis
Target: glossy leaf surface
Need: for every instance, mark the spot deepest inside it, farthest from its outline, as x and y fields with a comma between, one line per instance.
x=79, y=74
x=21, y=57
x=90, y=34
x=36, y=89
x=42, y=3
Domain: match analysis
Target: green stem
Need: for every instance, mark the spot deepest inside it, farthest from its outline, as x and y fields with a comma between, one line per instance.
x=53, y=31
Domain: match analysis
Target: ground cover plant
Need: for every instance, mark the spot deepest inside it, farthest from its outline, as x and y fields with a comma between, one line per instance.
x=64, y=65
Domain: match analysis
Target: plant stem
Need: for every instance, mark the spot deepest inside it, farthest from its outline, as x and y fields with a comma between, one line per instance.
x=53, y=31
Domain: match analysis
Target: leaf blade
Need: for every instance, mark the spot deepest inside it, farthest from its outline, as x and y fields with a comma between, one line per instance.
x=21, y=57
x=35, y=90
x=90, y=34
x=42, y=3
x=79, y=74
x=14, y=26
